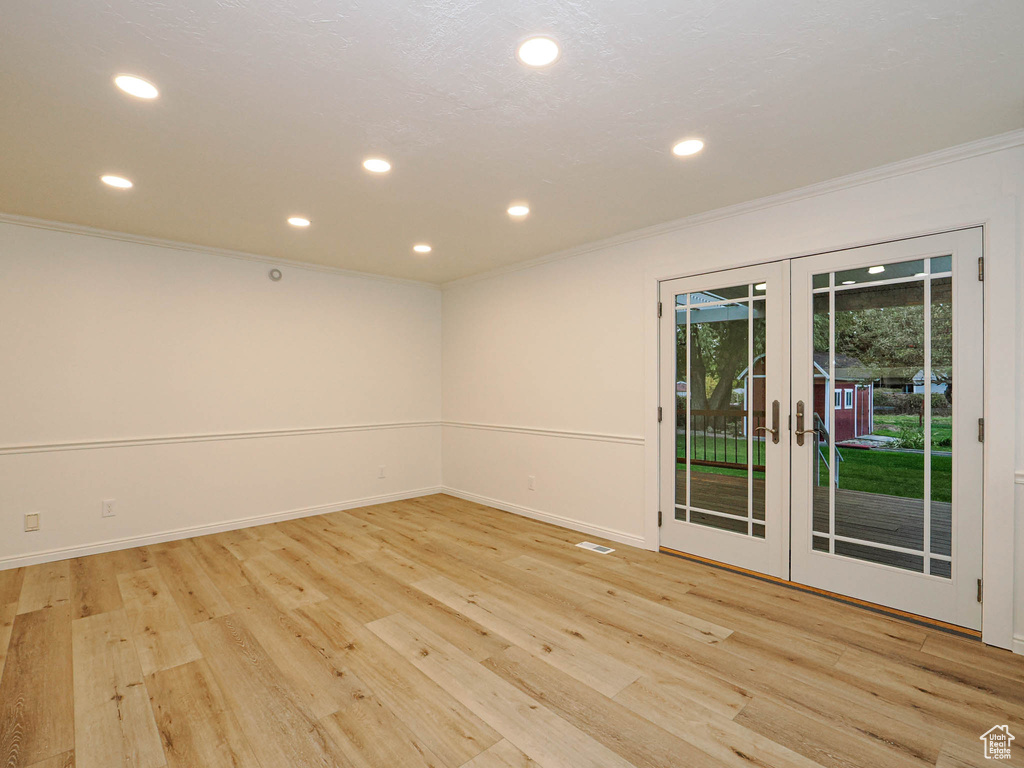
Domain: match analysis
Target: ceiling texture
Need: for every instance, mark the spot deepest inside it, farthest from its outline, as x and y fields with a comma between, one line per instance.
x=268, y=107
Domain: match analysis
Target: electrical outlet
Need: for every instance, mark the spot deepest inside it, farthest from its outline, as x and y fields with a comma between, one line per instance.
x=530, y=483
x=32, y=521
x=107, y=508
x=380, y=474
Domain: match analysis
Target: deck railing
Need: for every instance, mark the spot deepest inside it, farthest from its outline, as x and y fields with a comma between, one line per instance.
x=718, y=438
x=822, y=440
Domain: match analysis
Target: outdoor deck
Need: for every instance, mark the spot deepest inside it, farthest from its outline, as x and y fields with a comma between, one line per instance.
x=869, y=517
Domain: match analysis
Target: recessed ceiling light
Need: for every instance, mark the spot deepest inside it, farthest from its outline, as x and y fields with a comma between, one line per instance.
x=688, y=147
x=518, y=210
x=136, y=86
x=422, y=248
x=849, y=282
x=118, y=182
x=761, y=287
x=875, y=270
x=538, y=51
x=376, y=165
x=298, y=221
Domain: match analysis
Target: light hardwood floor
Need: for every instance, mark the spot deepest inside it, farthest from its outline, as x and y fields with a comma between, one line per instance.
x=436, y=632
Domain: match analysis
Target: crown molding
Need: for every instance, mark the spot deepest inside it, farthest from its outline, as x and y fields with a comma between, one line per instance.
x=125, y=237
x=941, y=157
x=935, y=159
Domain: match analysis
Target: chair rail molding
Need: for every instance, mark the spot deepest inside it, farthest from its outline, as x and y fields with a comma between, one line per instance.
x=562, y=433
x=130, y=442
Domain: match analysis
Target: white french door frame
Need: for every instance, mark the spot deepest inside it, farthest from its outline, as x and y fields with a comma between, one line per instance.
x=952, y=600
x=997, y=214
x=769, y=555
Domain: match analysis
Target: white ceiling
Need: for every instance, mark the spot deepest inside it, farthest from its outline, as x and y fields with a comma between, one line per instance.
x=268, y=107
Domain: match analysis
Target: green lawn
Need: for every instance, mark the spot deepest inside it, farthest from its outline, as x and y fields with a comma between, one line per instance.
x=895, y=473
x=942, y=427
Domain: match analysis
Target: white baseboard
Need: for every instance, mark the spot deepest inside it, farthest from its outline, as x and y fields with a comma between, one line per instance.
x=548, y=517
x=111, y=545
x=1018, y=644
x=65, y=553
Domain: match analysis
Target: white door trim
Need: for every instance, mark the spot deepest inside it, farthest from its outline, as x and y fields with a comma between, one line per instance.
x=997, y=214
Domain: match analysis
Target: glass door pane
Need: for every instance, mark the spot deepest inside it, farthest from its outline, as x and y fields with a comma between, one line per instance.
x=720, y=408
x=881, y=492
x=724, y=458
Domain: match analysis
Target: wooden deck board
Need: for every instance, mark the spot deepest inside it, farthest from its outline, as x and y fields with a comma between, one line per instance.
x=871, y=517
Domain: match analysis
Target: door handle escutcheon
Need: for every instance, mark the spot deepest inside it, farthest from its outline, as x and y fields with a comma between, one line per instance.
x=774, y=429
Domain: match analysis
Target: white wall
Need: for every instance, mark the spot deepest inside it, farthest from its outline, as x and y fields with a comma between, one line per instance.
x=198, y=393
x=558, y=347
x=554, y=364
x=201, y=395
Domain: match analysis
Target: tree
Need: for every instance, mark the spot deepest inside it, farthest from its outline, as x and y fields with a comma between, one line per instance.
x=888, y=340
x=718, y=352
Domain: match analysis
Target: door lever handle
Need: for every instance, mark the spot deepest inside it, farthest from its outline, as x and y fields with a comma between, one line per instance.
x=774, y=430
x=800, y=431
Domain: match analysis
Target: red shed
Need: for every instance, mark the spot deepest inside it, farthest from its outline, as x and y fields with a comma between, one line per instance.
x=853, y=396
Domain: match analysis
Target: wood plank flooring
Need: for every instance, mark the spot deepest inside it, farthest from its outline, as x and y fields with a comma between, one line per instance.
x=443, y=634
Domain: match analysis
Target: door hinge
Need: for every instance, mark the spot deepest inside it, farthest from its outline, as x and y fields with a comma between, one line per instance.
x=659, y=309
x=659, y=414
x=659, y=518
x=981, y=430
x=981, y=586
x=981, y=269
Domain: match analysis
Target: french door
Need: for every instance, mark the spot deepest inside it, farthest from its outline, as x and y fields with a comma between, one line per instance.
x=867, y=482
x=725, y=454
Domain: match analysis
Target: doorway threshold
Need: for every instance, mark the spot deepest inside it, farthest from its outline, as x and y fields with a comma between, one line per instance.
x=895, y=613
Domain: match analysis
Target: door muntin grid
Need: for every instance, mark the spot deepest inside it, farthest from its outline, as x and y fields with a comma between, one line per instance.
x=720, y=405
x=882, y=347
